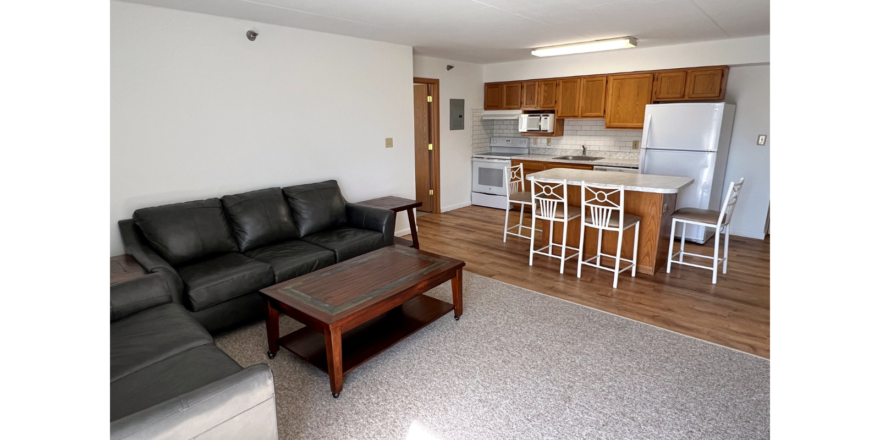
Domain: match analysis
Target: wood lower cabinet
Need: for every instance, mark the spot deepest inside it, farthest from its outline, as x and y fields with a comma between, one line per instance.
x=708, y=83
x=574, y=166
x=627, y=96
x=492, y=97
x=530, y=95
x=567, y=101
x=591, y=96
x=511, y=96
x=670, y=85
x=547, y=94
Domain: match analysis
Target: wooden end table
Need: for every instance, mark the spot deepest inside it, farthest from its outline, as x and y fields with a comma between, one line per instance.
x=359, y=308
x=398, y=204
x=124, y=268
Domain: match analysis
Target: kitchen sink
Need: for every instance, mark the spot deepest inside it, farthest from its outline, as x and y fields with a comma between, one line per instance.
x=578, y=158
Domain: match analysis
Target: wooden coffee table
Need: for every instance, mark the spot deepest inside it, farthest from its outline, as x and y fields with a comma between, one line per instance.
x=359, y=308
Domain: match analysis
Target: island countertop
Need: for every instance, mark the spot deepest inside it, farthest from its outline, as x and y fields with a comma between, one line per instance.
x=632, y=182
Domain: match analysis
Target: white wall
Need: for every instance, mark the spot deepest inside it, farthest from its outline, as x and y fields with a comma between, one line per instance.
x=464, y=81
x=750, y=50
x=749, y=88
x=198, y=111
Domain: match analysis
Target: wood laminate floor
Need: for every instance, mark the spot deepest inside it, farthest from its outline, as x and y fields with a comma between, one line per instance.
x=734, y=313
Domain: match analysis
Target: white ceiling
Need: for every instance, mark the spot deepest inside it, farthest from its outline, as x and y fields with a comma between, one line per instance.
x=492, y=31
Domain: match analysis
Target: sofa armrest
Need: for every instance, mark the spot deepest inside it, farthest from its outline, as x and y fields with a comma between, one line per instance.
x=132, y=296
x=374, y=219
x=138, y=247
x=241, y=406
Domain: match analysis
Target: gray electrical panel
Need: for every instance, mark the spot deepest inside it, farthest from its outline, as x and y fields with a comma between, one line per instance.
x=456, y=114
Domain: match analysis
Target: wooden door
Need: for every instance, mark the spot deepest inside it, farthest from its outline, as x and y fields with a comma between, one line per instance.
x=591, y=101
x=422, y=116
x=530, y=95
x=669, y=85
x=512, y=96
x=627, y=96
x=547, y=94
x=705, y=83
x=492, y=97
x=567, y=100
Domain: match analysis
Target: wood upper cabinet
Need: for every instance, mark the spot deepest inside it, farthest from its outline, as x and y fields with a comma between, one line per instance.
x=669, y=84
x=627, y=96
x=530, y=95
x=547, y=94
x=492, y=97
x=567, y=99
x=706, y=83
x=591, y=97
x=512, y=96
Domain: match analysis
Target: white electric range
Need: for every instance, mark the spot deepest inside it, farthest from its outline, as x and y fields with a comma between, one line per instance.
x=487, y=184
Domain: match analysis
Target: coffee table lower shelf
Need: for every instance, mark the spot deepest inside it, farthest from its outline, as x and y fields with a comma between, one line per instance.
x=362, y=343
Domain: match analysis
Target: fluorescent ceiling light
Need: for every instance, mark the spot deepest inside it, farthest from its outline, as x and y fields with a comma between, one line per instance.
x=589, y=46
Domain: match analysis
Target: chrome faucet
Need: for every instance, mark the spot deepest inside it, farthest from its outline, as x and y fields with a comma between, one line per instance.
x=583, y=150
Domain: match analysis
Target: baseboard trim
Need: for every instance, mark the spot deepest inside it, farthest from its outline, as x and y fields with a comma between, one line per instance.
x=402, y=232
x=747, y=233
x=455, y=206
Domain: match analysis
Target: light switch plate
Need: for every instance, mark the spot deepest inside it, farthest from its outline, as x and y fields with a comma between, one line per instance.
x=635, y=145
x=762, y=139
x=389, y=142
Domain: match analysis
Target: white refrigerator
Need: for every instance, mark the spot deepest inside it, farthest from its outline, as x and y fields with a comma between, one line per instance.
x=689, y=140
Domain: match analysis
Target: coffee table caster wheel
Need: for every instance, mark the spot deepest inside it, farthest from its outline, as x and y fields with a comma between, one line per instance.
x=270, y=354
x=456, y=318
x=335, y=395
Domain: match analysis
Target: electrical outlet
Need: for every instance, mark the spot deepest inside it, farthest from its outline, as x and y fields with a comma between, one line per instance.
x=762, y=139
x=389, y=142
x=548, y=142
x=635, y=145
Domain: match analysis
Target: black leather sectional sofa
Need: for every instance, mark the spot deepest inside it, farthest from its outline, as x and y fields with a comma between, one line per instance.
x=168, y=380
x=215, y=255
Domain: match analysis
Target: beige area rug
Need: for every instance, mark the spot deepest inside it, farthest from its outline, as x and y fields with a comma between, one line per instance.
x=521, y=365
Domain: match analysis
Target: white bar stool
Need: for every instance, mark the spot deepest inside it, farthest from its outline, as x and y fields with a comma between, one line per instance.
x=598, y=211
x=709, y=219
x=548, y=205
x=516, y=193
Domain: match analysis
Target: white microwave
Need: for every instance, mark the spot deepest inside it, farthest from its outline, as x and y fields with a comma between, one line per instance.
x=537, y=123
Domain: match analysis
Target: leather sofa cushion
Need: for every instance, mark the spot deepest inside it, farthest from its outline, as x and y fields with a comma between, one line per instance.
x=347, y=242
x=316, y=206
x=223, y=277
x=185, y=232
x=259, y=218
x=150, y=336
x=168, y=379
x=293, y=258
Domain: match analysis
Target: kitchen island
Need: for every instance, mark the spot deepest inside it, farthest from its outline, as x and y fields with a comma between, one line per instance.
x=648, y=196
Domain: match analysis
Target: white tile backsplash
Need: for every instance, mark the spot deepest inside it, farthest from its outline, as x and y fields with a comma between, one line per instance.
x=591, y=133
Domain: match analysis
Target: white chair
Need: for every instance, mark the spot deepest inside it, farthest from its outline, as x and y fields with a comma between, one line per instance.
x=710, y=219
x=516, y=193
x=600, y=212
x=547, y=204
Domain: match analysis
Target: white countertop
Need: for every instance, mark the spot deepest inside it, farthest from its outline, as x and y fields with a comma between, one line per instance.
x=632, y=182
x=634, y=163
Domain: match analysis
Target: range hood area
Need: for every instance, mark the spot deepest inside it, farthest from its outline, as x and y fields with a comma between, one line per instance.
x=495, y=115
